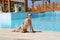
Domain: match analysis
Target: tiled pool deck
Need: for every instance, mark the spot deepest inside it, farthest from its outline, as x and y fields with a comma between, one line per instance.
x=6, y=34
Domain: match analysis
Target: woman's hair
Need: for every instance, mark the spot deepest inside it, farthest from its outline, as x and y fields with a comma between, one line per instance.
x=29, y=14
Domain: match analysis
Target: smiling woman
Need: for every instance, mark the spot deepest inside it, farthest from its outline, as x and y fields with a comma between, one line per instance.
x=49, y=21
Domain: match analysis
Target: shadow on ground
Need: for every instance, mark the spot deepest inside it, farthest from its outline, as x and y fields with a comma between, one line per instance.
x=34, y=32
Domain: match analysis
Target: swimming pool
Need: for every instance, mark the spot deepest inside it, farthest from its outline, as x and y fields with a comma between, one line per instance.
x=47, y=21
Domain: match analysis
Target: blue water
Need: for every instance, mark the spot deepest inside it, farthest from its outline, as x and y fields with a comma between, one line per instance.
x=48, y=21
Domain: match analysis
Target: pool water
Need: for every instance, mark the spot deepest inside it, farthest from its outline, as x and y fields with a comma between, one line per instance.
x=47, y=21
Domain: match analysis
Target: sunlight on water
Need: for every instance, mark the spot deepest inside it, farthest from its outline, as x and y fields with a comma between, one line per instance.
x=49, y=21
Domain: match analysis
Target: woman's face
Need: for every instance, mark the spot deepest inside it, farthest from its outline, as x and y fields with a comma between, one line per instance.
x=29, y=15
